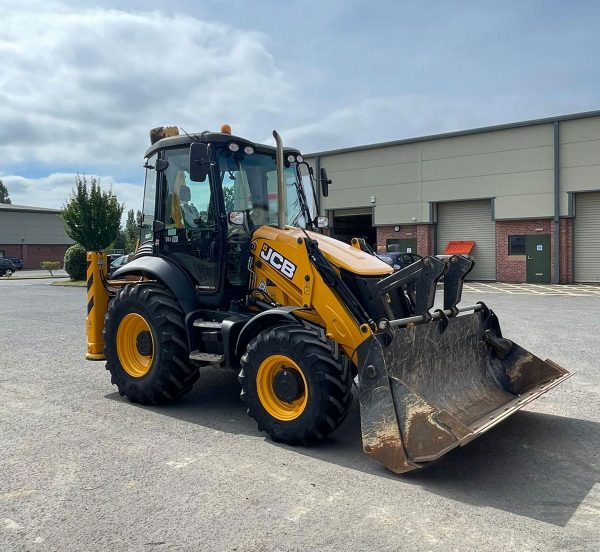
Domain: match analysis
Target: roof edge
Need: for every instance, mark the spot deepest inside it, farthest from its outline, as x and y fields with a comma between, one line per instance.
x=28, y=208
x=477, y=130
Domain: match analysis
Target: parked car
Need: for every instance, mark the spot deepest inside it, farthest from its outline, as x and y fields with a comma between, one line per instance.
x=118, y=263
x=399, y=260
x=7, y=268
x=17, y=262
x=113, y=257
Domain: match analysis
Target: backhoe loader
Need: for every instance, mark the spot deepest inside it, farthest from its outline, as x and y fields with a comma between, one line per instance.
x=234, y=269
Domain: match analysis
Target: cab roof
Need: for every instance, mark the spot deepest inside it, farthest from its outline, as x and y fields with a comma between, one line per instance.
x=212, y=137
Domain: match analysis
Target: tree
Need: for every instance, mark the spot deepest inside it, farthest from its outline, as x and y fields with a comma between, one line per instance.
x=50, y=266
x=132, y=231
x=120, y=242
x=92, y=216
x=228, y=196
x=75, y=262
x=4, y=193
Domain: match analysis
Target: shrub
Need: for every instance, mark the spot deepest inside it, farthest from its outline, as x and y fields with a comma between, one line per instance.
x=50, y=266
x=76, y=262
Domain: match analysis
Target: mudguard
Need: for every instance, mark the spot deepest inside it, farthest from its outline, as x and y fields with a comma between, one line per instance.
x=168, y=273
x=262, y=321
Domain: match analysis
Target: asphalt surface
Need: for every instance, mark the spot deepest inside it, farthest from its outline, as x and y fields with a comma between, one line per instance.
x=83, y=469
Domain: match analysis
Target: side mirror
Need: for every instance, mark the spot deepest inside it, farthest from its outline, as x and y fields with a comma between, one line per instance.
x=324, y=182
x=199, y=162
x=237, y=217
x=161, y=165
x=322, y=222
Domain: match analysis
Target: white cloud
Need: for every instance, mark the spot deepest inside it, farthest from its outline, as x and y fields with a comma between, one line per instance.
x=81, y=88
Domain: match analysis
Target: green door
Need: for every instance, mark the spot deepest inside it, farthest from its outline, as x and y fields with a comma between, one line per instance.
x=537, y=249
x=405, y=245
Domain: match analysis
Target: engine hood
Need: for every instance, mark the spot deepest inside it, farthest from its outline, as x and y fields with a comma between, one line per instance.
x=338, y=253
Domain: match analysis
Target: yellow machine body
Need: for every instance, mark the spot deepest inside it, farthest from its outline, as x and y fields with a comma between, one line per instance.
x=97, y=304
x=306, y=288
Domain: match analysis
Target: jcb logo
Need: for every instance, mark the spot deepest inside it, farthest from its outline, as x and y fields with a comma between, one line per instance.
x=278, y=261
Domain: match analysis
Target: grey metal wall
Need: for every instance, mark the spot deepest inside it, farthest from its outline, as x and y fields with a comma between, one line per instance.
x=587, y=237
x=579, y=158
x=515, y=166
x=39, y=228
x=465, y=221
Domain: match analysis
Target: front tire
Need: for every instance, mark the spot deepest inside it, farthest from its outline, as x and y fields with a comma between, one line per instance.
x=295, y=384
x=146, y=345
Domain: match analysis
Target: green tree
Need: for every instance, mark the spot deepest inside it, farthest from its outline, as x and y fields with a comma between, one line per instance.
x=228, y=196
x=92, y=215
x=132, y=231
x=4, y=193
x=75, y=262
x=120, y=241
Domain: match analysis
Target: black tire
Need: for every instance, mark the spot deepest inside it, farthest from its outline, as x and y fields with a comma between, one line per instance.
x=170, y=374
x=328, y=379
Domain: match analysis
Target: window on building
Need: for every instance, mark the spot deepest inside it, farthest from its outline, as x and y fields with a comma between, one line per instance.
x=392, y=246
x=516, y=245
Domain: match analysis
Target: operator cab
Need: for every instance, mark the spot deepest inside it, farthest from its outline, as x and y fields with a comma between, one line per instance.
x=204, y=223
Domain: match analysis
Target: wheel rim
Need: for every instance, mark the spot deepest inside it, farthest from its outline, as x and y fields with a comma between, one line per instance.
x=265, y=379
x=135, y=345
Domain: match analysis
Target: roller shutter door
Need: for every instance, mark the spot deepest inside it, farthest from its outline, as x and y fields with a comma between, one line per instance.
x=470, y=220
x=587, y=237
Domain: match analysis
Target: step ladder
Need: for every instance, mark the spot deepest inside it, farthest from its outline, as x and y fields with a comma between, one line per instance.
x=209, y=327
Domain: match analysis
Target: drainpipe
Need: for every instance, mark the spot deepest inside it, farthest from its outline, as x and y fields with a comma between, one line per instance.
x=556, y=278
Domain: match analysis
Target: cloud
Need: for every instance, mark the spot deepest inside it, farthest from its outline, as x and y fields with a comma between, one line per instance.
x=54, y=190
x=80, y=88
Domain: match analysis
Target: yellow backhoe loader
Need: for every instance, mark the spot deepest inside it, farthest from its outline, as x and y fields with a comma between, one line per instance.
x=234, y=269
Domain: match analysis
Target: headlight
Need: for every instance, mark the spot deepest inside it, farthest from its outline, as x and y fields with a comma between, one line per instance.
x=233, y=147
x=299, y=159
x=248, y=150
x=291, y=158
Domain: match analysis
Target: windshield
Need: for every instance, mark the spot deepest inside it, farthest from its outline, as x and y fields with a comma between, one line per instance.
x=250, y=184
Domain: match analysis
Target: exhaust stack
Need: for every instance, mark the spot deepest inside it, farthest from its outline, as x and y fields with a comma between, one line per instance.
x=280, y=182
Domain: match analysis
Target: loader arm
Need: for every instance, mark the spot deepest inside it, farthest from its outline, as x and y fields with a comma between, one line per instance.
x=282, y=270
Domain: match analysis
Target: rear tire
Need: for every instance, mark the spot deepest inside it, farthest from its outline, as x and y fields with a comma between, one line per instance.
x=146, y=345
x=316, y=367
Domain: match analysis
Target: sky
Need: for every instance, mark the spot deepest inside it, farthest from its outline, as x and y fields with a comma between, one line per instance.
x=82, y=83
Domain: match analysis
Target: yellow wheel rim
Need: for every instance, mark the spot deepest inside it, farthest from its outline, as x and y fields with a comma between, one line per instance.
x=129, y=337
x=279, y=409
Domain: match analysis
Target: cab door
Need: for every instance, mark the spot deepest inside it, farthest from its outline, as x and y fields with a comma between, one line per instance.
x=149, y=204
x=192, y=235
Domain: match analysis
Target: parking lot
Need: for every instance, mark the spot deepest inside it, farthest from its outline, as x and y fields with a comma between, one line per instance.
x=83, y=469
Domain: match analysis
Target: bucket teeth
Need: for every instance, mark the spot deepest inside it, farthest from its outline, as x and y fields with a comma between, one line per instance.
x=424, y=391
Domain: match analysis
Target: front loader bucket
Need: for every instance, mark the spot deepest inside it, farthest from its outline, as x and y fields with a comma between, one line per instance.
x=425, y=389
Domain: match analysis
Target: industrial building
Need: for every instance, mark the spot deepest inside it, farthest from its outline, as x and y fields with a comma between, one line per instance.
x=522, y=199
x=34, y=234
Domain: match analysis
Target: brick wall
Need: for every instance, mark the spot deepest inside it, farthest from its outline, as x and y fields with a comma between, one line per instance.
x=385, y=233
x=33, y=255
x=566, y=250
x=422, y=232
x=425, y=239
x=513, y=268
